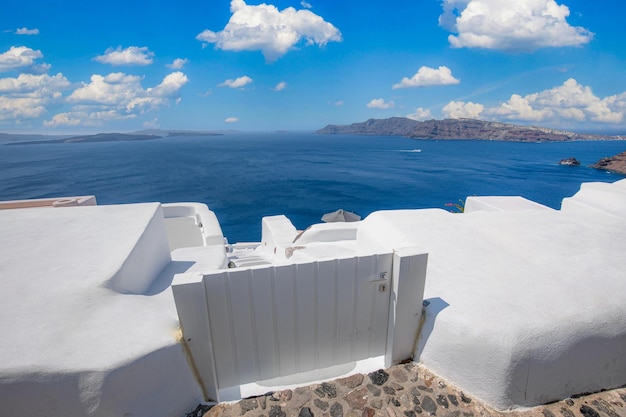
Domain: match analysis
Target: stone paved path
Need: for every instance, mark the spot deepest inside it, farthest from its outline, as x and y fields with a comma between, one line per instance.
x=406, y=390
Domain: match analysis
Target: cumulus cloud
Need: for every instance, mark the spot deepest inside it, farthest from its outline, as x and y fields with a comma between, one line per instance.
x=461, y=110
x=280, y=86
x=510, y=25
x=306, y=4
x=152, y=124
x=519, y=108
x=170, y=86
x=26, y=31
x=178, y=63
x=239, y=82
x=569, y=101
x=108, y=89
x=39, y=84
x=87, y=117
x=451, y=10
x=28, y=96
x=420, y=114
x=231, y=120
x=273, y=32
x=616, y=103
x=427, y=76
x=133, y=55
x=117, y=96
x=18, y=109
x=21, y=57
x=379, y=103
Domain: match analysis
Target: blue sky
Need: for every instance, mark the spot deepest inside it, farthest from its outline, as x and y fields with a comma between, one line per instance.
x=77, y=66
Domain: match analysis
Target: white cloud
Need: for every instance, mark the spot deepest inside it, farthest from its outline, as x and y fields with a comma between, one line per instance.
x=451, y=10
x=264, y=28
x=460, y=110
x=178, y=63
x=231, y=120
x=616, y=103
x=67, y=119
x=170, y=86
x=420, y=114
x=110, y=89
x=280, y=86
x=569, y=101
x=133, y=55
x=86, y=118
x=510, y=25
x=38, y=84
x=379, y=103
x=519, y=108
x=20, y=108
x=20, y=57
x=338, y=103
x=28, y=96
x=151, y=124
x=306, y=4
x=26, y=31
x=117, y=96
x=427, y=76
x=239, y=82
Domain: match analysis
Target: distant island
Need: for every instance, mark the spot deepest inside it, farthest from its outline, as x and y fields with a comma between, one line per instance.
x=25, y=139
x=100, y=137
x=469, y=129
x=182, y=133
x=28, y=137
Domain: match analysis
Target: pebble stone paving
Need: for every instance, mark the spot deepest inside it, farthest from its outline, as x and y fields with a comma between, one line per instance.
x=405, y=390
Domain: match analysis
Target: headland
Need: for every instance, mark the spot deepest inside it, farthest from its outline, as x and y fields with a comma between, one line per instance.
x=454, y=129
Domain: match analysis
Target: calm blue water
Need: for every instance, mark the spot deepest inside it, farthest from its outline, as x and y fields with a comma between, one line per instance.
x=244, y=177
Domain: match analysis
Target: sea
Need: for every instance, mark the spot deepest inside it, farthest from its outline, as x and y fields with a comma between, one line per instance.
x=245, y=176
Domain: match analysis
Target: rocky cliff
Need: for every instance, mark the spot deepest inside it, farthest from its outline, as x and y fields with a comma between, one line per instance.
x=457, y=129
x=615, y=163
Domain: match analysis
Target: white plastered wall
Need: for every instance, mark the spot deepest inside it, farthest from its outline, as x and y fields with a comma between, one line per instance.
x=71, y=346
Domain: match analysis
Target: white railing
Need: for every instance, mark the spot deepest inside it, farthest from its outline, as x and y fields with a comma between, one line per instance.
x=248, y=325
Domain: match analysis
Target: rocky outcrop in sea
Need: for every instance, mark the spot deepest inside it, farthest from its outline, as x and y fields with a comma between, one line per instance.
x=615, y=163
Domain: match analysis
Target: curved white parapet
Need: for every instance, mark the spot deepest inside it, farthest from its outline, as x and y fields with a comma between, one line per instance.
x=282, y=243
x=596, y=198
x=327, y=232
x=184, y=217
x=498, y=203
x=523, y=307
x=277, y=232
x=195, y=236
x=149, y=255
x=75, y=341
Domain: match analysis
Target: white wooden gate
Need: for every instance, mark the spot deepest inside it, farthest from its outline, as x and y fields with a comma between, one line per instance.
x=248, y=325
